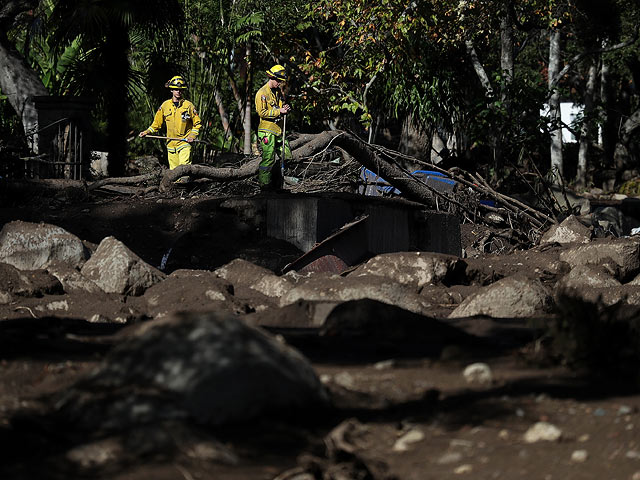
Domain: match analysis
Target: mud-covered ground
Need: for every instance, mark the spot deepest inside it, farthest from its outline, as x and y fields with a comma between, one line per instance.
x=401, y=409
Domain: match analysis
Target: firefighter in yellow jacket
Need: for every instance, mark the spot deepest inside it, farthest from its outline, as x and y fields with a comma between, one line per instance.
x=271, y=108
x=182, y=121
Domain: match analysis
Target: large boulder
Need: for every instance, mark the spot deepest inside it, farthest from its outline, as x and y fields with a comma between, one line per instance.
x=623, y=252
x=542, y=261
x=95, y=308
x=34, y=246
x=588, y=276
x=211, y=368
x=299, y=315
x=375, y=327
x=72, y=280
x=116, y=269
x=571, y=230
x=243, y=274
x=36, y=283
x=334, y=288
x=414, y=269
x=623, y=295
x=511, y=297
x=188, y=290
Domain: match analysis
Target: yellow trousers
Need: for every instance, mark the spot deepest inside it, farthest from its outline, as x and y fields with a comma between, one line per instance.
x=179, y=156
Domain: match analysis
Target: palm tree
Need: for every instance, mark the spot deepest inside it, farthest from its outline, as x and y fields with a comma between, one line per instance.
x=104, y=28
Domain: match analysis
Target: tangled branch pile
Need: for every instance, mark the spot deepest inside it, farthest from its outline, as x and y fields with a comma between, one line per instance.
x=331, y=161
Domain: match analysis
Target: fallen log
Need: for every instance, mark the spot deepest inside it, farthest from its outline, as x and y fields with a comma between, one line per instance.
x=224, y=174
x=122, y=180
x=309, y=145
x=300, y=140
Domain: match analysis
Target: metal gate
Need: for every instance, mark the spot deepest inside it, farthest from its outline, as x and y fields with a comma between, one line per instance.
x=63, y=155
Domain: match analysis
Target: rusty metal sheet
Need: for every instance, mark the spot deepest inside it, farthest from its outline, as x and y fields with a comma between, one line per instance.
x=337, y=252
x=326, y=263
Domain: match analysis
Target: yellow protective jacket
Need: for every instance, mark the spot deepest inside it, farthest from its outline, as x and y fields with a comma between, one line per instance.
x=181, y=121
x=268, y=102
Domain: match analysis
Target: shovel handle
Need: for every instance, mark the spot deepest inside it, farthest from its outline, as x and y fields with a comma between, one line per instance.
x=172, y=138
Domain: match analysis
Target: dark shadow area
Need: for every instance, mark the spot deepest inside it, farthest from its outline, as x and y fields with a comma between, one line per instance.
x=33, y=447
x=468, y=406
x=164, y=230
x=365, y=331
x=53, y=338
x=478, y=406
x=35, y=444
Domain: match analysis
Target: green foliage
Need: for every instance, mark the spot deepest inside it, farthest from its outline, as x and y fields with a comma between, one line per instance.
x=630, y=188
x=516, y=122
x=353, y=64
x=210, y=51
x=377, y=59
x=203, y=57
x=397, y=60
x=52, y=62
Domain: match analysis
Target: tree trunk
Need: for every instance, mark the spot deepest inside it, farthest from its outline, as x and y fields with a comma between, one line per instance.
x=554, y=107
x=479, y=68
x=623, y=156
x=586, y=130
x=486, y=84
x=248, y=105
x=240, y=100
x=506, y=67
x=506, y=52
x=414, y=140
x=19, y=82
x=224, y=117
x=117, y=64
x=608, y=122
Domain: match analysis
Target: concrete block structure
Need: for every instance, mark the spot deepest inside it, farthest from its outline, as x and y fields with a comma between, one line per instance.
x=343, y=230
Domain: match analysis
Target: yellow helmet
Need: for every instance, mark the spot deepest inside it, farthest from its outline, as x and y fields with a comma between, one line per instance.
x=177, y=83
x=278, y=72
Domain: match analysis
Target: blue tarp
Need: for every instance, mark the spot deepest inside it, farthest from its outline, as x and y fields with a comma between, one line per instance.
x=374, y=185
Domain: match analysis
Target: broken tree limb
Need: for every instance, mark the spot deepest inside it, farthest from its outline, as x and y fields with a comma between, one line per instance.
x=481, y=186
x=524, y=209
x=301, y=140
x=122, y=180
x=312, y=145
x=528, y=221
x=224, y=174
x=315, y=146
x=370, y=159
x=510, y=205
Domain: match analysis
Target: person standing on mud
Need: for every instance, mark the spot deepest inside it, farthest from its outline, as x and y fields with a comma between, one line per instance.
x=182, y=122
x=272, y=109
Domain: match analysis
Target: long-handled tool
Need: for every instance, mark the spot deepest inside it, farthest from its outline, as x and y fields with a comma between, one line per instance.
x=284, y=133
x=172, y=138
x=283, y=154
x=284, y=124
x=284, y=136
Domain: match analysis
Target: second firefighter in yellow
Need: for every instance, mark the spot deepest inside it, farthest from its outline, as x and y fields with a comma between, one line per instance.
x=182, y=122
x=272, y=108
